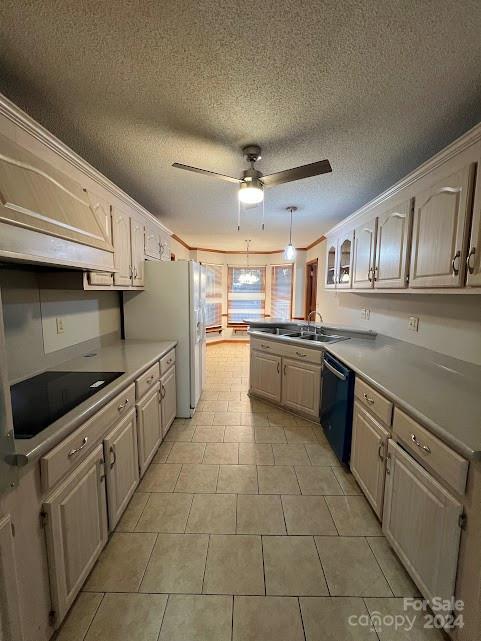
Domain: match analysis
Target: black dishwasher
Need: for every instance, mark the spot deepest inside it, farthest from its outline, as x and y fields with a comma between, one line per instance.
x=337, y=393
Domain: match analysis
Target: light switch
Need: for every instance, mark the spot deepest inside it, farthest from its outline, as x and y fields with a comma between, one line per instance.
x=60, y=327
x=413, y=323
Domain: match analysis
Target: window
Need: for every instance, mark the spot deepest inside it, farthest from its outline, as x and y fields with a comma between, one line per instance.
x=281, y=291
x=246, y=294
x=213, y=295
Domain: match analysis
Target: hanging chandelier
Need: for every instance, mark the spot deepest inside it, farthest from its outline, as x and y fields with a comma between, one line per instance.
x=248, y=276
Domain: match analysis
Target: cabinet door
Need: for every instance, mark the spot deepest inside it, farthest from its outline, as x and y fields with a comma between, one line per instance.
x=10, y=620
x=152, y=243
x=473, y=261
x=137, y=240
x=331, y=263
x=164, y=246
x=122, y=255
x=344, y=261
x=149, y=427
x=76, y=528
x=392, y=247
x=368, y=454
x=421, y=521
x=265, y=375
x=363, y=258
x=301, y=387
x=122, y=466
x=441, y=218
x=168, y=393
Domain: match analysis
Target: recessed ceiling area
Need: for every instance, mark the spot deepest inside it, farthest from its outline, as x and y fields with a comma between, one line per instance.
x=376, y=87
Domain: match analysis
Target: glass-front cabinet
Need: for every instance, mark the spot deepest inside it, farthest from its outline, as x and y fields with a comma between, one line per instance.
x=339, y=261
x=344, y=260
x=331, y=263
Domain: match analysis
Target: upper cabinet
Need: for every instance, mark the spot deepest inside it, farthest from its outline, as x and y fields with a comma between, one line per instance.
x=441, y=220
x=363, y=258
x=344, y=260
x=331, y=263
x=392, y=247
x=137, y=252
x=473, y=258
x=122, y=245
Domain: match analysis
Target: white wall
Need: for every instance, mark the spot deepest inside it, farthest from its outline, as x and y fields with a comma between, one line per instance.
x=30, y=321
x=448, y=323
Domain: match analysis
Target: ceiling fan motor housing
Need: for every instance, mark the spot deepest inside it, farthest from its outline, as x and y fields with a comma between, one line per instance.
x=252, y=153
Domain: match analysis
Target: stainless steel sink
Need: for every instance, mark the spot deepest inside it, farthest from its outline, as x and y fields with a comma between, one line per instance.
x=323, y=338
x=279, y=331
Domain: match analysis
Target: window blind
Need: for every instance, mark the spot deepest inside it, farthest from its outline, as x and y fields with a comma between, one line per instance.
x=281, y=291
x=246, y=294
x=213, y=295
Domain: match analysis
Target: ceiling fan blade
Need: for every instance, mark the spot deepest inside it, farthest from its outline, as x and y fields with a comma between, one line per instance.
x=208, y=173
x=297, y=173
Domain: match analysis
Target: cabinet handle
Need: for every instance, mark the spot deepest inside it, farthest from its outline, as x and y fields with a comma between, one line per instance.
x=114, y=455
x=285, y=366
x=150, y=379
x=101, y=470
x=162, y=392
x=369, y=277
x=380, y=450
x=123, y=405
x=456, y=257
x=368, y=399
x=131, y=272
x=301, y=355
x=265, y=346
x=169, y=361
x=278, y=367
x=469, y=266
x=78, y=449
x=423, y=447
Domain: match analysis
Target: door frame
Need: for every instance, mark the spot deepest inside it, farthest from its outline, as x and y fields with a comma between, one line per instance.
x=307, y=287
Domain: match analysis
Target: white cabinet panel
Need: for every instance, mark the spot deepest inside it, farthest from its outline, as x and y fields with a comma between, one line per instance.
x=137, y=247
x=10, y=619
x=392, y=247
x=331, y=263
x=265, y=375
x=421, y=521
x=149, y=427
x=368, y=454
x=168, y=393
x=301, y=387
x=122, y=466
x=473, y=261
x=440, y=228
x=363, y=259
x=122, y=256
x=76, y=528
x=345, y=248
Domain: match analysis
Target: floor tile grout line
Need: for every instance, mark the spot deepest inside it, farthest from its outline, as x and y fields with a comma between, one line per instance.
x=332, y=517
x=315, y=538
x=366, y=538
x=205, y=564
x=302, y=618
x=163, y=616
x=147, y=564
x=93, y=618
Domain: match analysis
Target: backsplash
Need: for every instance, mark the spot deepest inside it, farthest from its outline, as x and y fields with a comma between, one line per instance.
x=43, y=327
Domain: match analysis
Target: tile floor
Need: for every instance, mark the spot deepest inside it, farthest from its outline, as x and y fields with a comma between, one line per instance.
x=244, y=528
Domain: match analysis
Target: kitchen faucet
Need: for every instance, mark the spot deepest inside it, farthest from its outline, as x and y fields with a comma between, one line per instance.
x=316, y=313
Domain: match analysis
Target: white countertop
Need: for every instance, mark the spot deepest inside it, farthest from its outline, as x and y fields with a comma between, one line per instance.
x=131, y=357
x=441, y=392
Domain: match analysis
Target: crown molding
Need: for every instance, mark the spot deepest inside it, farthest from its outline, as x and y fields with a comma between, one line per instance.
x=466, y=140
x=21, y=119
x=242, y=251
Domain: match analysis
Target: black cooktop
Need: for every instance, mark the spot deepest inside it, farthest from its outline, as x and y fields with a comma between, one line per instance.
x=39, y=401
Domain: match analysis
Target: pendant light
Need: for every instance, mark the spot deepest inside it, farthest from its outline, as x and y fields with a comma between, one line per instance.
x=290, y=250
x=248, y=276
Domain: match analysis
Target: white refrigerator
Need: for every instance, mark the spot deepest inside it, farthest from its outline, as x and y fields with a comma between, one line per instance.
x=172, y=306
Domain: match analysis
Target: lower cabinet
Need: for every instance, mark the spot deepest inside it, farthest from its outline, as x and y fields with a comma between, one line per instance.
x=10, y=619
x=368, y=456
x=265, y=375
x=301, y=385
x=122, y=467
x=168, y=397
x=422, y=523
x=149, y=427
x=76, y=529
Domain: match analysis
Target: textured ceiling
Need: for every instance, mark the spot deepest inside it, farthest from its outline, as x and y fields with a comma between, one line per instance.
x=134, y=85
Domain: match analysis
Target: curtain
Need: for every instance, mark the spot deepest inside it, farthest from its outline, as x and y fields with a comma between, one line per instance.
x=246, y=294
x=281, y=291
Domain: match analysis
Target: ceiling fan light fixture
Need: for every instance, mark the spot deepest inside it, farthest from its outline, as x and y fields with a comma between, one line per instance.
x=251, y=192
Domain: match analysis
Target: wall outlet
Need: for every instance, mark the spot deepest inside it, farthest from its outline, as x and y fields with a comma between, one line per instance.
x=365, y=313
x=413, y=323
x=60, y=325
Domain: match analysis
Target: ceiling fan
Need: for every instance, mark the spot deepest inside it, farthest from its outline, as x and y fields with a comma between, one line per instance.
x=252, y=183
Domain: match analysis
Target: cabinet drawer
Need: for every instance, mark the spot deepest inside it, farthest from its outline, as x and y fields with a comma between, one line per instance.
x=100, y=278
x=377, y=404
x=167, y=361
x=147, y=380
x=71, y=451
x=298, y=352
x=441, y=459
